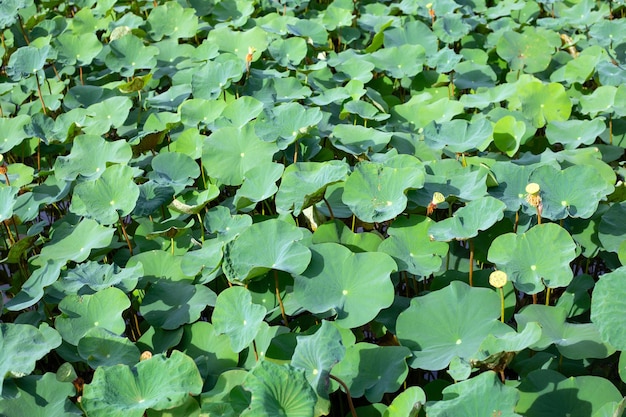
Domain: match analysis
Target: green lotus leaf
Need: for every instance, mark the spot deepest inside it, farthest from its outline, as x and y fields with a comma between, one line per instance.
x=283, y=124
x=259, y=184
x=482, y=395
x=90, y=156
x=450, y=28
x=406, y=404
x=528, y=264
x=530, y=51
x=151, y=197
x=573, y=340
x=7, y=202
x=119, y=390
x=77, y=49
x=611, y=230
x=100, y=347
x=336, y=231
x=477, y=215
x=437, y=326
x=364, y=110
x=230, y=152
x=9, y=12
x=472, y=75
x=221, y=224
x=159, y=340
x=157, y=265
x=214, y=77
x=84, y=21
x=19, y=175
x=13, y=132
x=313, y=31
x=22, y=346
x=600, y=101
x=541, y=103
x=574, y=133
x=236, y=12
x=169, y=100
x=237, y=317
x=375, y=192
x=74, y=242
x=97, y=276
x=413, y=32
x=193, y=202
x=400, y=61
x=204, y=261
x=508, y=133
x=576, y=299
x=27, y=61
x=112, y=112
x=279, y=390
x=41, y=396
x=200, y=339
x=169, y=305
x=410, y=245
x=79, y=313
x=171, y=20
x=560, y=199
x=337, y=14
x=450, y=178
x=356, y=68
x=357, y=139
x=607, y=297
x=582, y=68
x=107, y=198
x=128, y=54
x=304, y=183
x=545, y=392
x=317, y=354
x=424, y=108
x=239, y=43
x=198, y=111
x=459, y=135
x=288, y=52
x=580, y=15
x=245, y=258
x=356, y=286
x=173, y=169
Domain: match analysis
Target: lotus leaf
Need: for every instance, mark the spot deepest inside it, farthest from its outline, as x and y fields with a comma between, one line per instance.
x=530, y=51
x=13, y=132
x=77, y=49
x=170, y=19
x=375, y=192
x=337, y=232
x=27, y=60
x=450, y=28
x=437, y=327
x=97, y=276
x=407, y=404
x=477, y=215
x=527, y=263
x=483, y=395
x=41, y=396
x=279, y=390
x=17, y=361
x=560, y=199
x=107, y=198
x=400, y=61
x=119, y=390
x=245, y=258
x=371, y=370
x=612, y=229
x=200, y=339
x=304, y=184
x=215, y=76
x=239, y=43
x=173, y=169
x=357, y=139
x=413, y=32
x=128, y=54
x=410, y=246
x=573, y=340
x=545, y=392
x=541, y=103
x=355, y=286
x=237, y=317
x=7, y=199
x=283, y=124
x=508, y=133
x=83, y=312
x=606, y=300
x=422, y=109
x=458, y=135
x=100, y=347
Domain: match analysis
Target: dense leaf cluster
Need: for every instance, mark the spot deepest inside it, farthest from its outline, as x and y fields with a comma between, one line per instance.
x=294, y=208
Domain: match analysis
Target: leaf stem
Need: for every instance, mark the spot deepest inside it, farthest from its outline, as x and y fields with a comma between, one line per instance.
x=43, y=104
x=280, y=300
x=130, y=248
x=471, y=263
x=345, y=387
x=501, y=304
x=330, y=211
x=548, y=290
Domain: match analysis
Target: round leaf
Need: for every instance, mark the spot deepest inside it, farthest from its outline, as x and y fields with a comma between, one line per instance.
x=100, y=347
x=355, y=286
x=607, y=299
x=467, y=221
x=459, y=135
x=357, y=139
x=528, y=264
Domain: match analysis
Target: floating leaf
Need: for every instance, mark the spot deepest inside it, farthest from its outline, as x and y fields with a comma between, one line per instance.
x=355, y=286
x=121, y=391
x=288, y=52
x=410, y=246
x=375, y=192
x=530, y=51
x=458, y=135
x=528, y=264
x=446, y=323
x=477, y=215
x=237, y=317
x=283, y=124
x=77, y=49
x=542, y=103
x=357, y=139
x=245, y=258
x=172, y=20
x=128, y=54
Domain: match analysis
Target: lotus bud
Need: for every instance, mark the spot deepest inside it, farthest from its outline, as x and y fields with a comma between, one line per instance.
x=145, y=355
x=498, y=279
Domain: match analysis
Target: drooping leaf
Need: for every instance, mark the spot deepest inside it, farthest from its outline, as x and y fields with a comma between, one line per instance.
x=477, y=215
x=101, y=347
x=355, y=286
x=357, y=139
x=458, y=135
x=336, y=231
x=41, y=396
x=607, y=297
